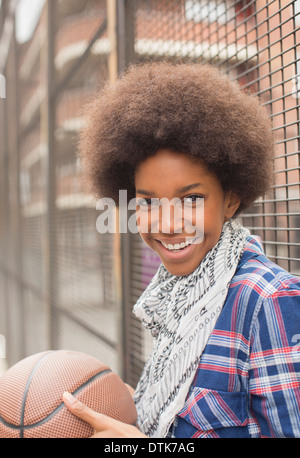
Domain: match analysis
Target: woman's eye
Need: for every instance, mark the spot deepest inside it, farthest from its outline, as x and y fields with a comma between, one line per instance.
x=143, y=202
x=147, y=203
x=193, y=199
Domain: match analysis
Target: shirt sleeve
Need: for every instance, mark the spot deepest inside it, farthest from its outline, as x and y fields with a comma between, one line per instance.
x=274, y=371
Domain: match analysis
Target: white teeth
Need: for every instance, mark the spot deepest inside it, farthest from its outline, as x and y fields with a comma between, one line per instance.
x=177, y=246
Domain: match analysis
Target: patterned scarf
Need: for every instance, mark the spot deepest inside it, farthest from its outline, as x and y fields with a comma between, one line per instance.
x=181, y=312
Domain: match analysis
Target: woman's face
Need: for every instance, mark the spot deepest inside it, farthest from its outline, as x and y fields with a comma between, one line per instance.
x=170, y=175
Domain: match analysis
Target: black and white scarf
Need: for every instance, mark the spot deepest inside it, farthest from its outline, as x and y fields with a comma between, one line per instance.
x=181, y=312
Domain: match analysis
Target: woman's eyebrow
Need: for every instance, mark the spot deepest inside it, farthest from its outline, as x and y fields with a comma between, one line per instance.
x=179, y=190
x=189, y=187
x=145, y=193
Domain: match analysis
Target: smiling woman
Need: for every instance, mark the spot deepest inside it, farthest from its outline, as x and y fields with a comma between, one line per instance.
x=223, y=317
x=174, y=175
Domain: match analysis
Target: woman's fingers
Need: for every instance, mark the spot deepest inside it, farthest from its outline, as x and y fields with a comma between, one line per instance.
x=103, y=425
x=98, y=421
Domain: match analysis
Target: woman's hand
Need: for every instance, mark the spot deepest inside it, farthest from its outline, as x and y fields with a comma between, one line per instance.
x=104, y=426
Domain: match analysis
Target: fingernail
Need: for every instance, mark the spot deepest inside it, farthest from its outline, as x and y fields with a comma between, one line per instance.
x=69, y=398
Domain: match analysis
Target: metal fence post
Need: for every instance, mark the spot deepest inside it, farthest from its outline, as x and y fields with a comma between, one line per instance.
x=126, y=56
x=18, y=218
x=50, y=177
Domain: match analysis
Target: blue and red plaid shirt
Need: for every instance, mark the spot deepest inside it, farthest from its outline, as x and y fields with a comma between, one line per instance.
x=248, y=380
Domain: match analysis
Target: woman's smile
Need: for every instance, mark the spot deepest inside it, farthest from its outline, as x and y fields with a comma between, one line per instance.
x=175, y=177
x=175, y=251
x=173, y=245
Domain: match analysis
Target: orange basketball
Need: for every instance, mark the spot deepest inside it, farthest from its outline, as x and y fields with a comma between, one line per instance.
x=31, y=393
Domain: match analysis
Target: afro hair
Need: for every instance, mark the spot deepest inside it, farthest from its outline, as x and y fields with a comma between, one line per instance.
x=191, y=108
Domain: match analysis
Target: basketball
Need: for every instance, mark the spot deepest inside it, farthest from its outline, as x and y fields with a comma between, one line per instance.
x=31, y=391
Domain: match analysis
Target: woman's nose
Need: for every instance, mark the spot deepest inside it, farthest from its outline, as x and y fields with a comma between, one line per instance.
x=171, y=217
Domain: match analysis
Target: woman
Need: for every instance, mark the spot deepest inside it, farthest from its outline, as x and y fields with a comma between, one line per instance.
x=223, y=317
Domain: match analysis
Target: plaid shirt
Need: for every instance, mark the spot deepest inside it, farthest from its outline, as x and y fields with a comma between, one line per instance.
x=248, y=380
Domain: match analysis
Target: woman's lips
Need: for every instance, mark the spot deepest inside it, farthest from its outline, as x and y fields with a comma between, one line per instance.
x=177, y=254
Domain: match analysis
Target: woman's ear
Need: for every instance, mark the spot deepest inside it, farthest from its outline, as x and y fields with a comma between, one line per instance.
x=231, y=205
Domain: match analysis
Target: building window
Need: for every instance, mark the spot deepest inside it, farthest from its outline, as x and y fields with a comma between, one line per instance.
x=209, y=11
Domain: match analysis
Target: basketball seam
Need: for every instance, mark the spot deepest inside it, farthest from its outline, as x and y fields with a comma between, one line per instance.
x=23, y=427
x=27, y=389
